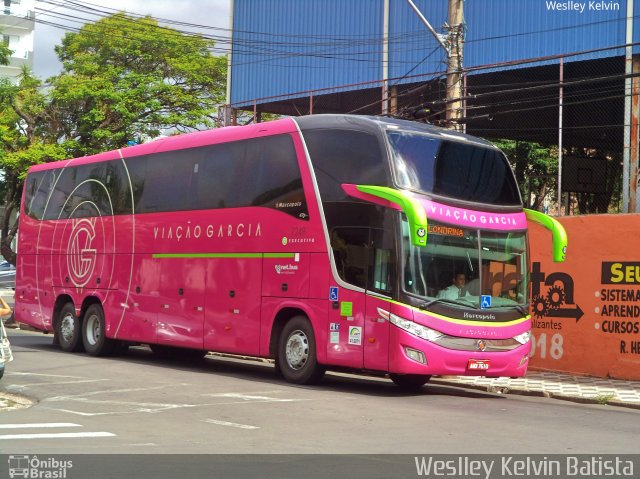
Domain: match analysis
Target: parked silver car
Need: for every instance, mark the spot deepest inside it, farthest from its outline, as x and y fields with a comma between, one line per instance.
x=7, y=275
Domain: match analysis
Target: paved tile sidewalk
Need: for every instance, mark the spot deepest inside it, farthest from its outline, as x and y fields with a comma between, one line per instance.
x=559, y=385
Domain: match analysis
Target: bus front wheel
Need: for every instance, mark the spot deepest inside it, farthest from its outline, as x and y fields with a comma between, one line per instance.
x=297, y=361
x=95, y=341
x=410, y=381
x=68, y=329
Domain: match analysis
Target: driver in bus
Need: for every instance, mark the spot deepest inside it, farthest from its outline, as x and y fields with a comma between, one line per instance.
x=456, y=290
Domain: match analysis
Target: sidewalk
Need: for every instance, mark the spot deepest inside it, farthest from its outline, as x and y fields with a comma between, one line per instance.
x=582, y=389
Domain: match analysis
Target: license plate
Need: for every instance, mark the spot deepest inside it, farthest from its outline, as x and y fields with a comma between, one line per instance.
x=478, y=364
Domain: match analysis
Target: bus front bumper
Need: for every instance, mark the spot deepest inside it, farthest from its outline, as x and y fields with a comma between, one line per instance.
x=413, y=355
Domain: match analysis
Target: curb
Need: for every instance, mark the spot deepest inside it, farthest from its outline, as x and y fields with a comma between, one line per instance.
x=526, y=392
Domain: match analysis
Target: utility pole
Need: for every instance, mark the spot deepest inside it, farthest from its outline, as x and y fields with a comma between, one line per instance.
x=454, y=66
x=452, y=44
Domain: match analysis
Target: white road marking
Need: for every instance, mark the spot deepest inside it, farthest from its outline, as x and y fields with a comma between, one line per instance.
x=109, y=391
x=230, y=424
x=39, y=425
x=248, y=397
x=47, y=375
x=22, y=386
x=60, y=435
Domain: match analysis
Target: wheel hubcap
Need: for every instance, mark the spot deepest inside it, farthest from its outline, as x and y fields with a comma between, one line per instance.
x=93, y=329
x=297, y=350
x=67, y=327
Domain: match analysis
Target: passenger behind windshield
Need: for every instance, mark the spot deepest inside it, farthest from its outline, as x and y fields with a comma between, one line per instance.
x=456, y=290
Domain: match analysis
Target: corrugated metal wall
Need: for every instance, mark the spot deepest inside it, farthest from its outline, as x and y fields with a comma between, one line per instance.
x=412, y=48
x=285, y=46
x=514, y=30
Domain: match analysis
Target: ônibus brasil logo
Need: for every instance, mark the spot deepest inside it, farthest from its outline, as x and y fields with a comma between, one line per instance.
x=81, y=256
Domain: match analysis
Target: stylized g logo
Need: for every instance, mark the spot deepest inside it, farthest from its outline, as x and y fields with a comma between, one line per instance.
x=81, y=256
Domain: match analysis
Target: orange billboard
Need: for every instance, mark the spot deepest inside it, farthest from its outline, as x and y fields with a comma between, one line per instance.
x=586, y=311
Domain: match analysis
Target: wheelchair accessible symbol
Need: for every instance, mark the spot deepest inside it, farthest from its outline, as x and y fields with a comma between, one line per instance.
x=485, y=301
x=333, y=293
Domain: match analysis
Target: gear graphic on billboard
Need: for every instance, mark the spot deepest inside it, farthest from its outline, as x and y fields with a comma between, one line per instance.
x=552, y=295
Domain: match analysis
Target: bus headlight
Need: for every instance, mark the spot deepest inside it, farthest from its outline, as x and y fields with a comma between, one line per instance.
x=415, y=328
x=523, y=338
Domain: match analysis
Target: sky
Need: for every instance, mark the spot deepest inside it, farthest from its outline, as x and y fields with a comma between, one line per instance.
x=209, y=13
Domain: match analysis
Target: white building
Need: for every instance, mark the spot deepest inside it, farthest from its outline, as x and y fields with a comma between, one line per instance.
x=17, y=21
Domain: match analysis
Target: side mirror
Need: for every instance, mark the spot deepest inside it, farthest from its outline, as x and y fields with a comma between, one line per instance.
x=411, y=207
x=558, y=233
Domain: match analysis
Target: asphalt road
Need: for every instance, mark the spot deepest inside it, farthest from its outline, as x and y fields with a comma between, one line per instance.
x=140, y=404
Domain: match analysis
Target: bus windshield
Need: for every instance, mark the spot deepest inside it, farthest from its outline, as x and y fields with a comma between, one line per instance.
x=467, y=267
x=454, y=169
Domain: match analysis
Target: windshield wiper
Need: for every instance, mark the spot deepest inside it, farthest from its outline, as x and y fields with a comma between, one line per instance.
x=426, y=304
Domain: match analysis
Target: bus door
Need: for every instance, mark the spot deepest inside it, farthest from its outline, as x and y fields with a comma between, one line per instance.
x=345, y=346
x=181, y=302
x=379, y=292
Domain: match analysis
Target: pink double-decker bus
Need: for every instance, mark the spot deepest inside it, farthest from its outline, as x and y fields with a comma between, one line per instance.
x=324, y=242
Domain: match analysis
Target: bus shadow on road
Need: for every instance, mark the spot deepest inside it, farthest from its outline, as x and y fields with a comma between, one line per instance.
x=252, y=369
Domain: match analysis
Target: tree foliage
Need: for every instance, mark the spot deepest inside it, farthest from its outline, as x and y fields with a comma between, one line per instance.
x=535, y=167
x=25, y=140
x=5, y=52
x=124, y=79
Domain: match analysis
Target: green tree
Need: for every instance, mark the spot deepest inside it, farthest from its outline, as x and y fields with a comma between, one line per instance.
x=126, y=78
x=535, y=167
x=5, y=53
x=25, y=140
x=123, y=79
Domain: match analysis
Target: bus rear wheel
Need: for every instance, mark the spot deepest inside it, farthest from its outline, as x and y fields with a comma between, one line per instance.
x=410, y=381
x=296, y=359
x=68, y=329
x=94, y=338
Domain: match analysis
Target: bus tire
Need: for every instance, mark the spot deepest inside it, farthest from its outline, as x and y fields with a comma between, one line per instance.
x=297, y=360
x=94, y=338
x=68, y=329
x=410, y=381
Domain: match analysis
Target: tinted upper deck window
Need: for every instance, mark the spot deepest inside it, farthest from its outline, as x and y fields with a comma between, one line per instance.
x=453, y=169
x=345, y=156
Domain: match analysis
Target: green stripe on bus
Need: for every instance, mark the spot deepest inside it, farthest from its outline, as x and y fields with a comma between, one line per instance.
x=223, y=255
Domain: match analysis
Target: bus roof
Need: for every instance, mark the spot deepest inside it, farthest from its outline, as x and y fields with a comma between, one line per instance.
x=286, y=125
x=375, y=123
x=179, y=142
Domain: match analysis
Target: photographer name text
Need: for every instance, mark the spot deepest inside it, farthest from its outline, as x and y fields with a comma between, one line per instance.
x=509, y=466
x=580, y=7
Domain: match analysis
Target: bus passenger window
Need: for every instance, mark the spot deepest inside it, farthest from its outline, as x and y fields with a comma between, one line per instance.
x=383, y=261
x=349, y=247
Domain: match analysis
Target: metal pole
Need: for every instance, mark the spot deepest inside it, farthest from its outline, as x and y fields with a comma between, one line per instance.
x=560, y=98
x=229, y=55
x=635, y=130
x=385, y=60
x=439, y=38
x=310, y=103
x=626, y=153
x=454, y=67
x=464, y=103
